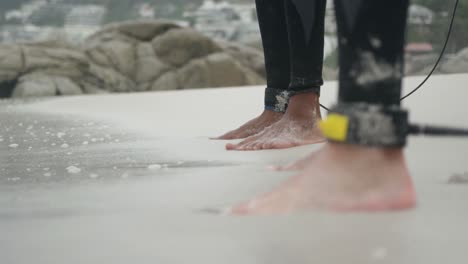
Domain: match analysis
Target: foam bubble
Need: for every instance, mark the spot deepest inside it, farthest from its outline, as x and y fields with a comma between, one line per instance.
x=73, y=170
x=155, y=167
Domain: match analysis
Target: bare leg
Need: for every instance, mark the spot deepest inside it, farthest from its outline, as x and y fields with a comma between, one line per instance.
x=342, y=178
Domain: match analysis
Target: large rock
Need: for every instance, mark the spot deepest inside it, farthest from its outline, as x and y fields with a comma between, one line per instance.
x=144, y=30
x=37, y=58
x=251, y=77
x=121, y=56
x=256, y=44
x=216, y=70
x=148, y=67
x=8, y=75
x=67, y=70
x=249, y=57
x=35, y=86
x=38, y=85
x=105, y=36
x=227, y=71
x=128, y=57
x=99, y=57
x=66, y=86
x=178, y=46
x=111, y=80
x=92, y=85
x=11, y=62
x=60, y=43
x=168, y=81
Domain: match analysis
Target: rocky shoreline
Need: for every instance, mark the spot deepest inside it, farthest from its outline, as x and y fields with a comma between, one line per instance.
x=127, y=57
x=149, y=56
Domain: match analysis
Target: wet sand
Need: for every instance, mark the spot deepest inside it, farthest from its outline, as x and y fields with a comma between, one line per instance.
x=126, y=179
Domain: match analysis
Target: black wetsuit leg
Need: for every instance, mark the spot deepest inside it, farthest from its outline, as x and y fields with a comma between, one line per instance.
x=272, y=21
x=371, y=44
x=306, y=48
x=292, y=62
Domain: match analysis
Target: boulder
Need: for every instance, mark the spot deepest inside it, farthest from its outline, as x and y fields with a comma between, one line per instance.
x=227, y=71
x=111, y=80
x=50, y=61
x=71, y=71
x=39, y=85
x=196, y=61
x=148, y=66
x=178, y=46
x=120, y=55
x=168, y=81
x=99, y=57
x=194, y=75
x=66, y=86
x=37, y=57
x=216, y=70
x=146, y=30
x=249, y=57
x=91, y=84
x=256, y=44
x=105, y=36
x=128, y=57
x=252, y=78
x=11, y=62
x=141, y=30
x=8, y=75
x=35, y=85
x=91, y=87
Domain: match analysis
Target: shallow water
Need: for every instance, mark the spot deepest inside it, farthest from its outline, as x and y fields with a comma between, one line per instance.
x=137, y=192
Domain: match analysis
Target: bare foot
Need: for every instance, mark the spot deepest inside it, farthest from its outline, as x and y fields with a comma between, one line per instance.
x=342, y=178
x=254, y=126
x=299, y=126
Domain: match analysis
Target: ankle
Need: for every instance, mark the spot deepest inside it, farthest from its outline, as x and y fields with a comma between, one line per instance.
x=304, y=105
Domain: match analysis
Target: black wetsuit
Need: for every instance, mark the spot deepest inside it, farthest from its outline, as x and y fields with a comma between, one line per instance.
x=293, y=55
x=371, y=40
